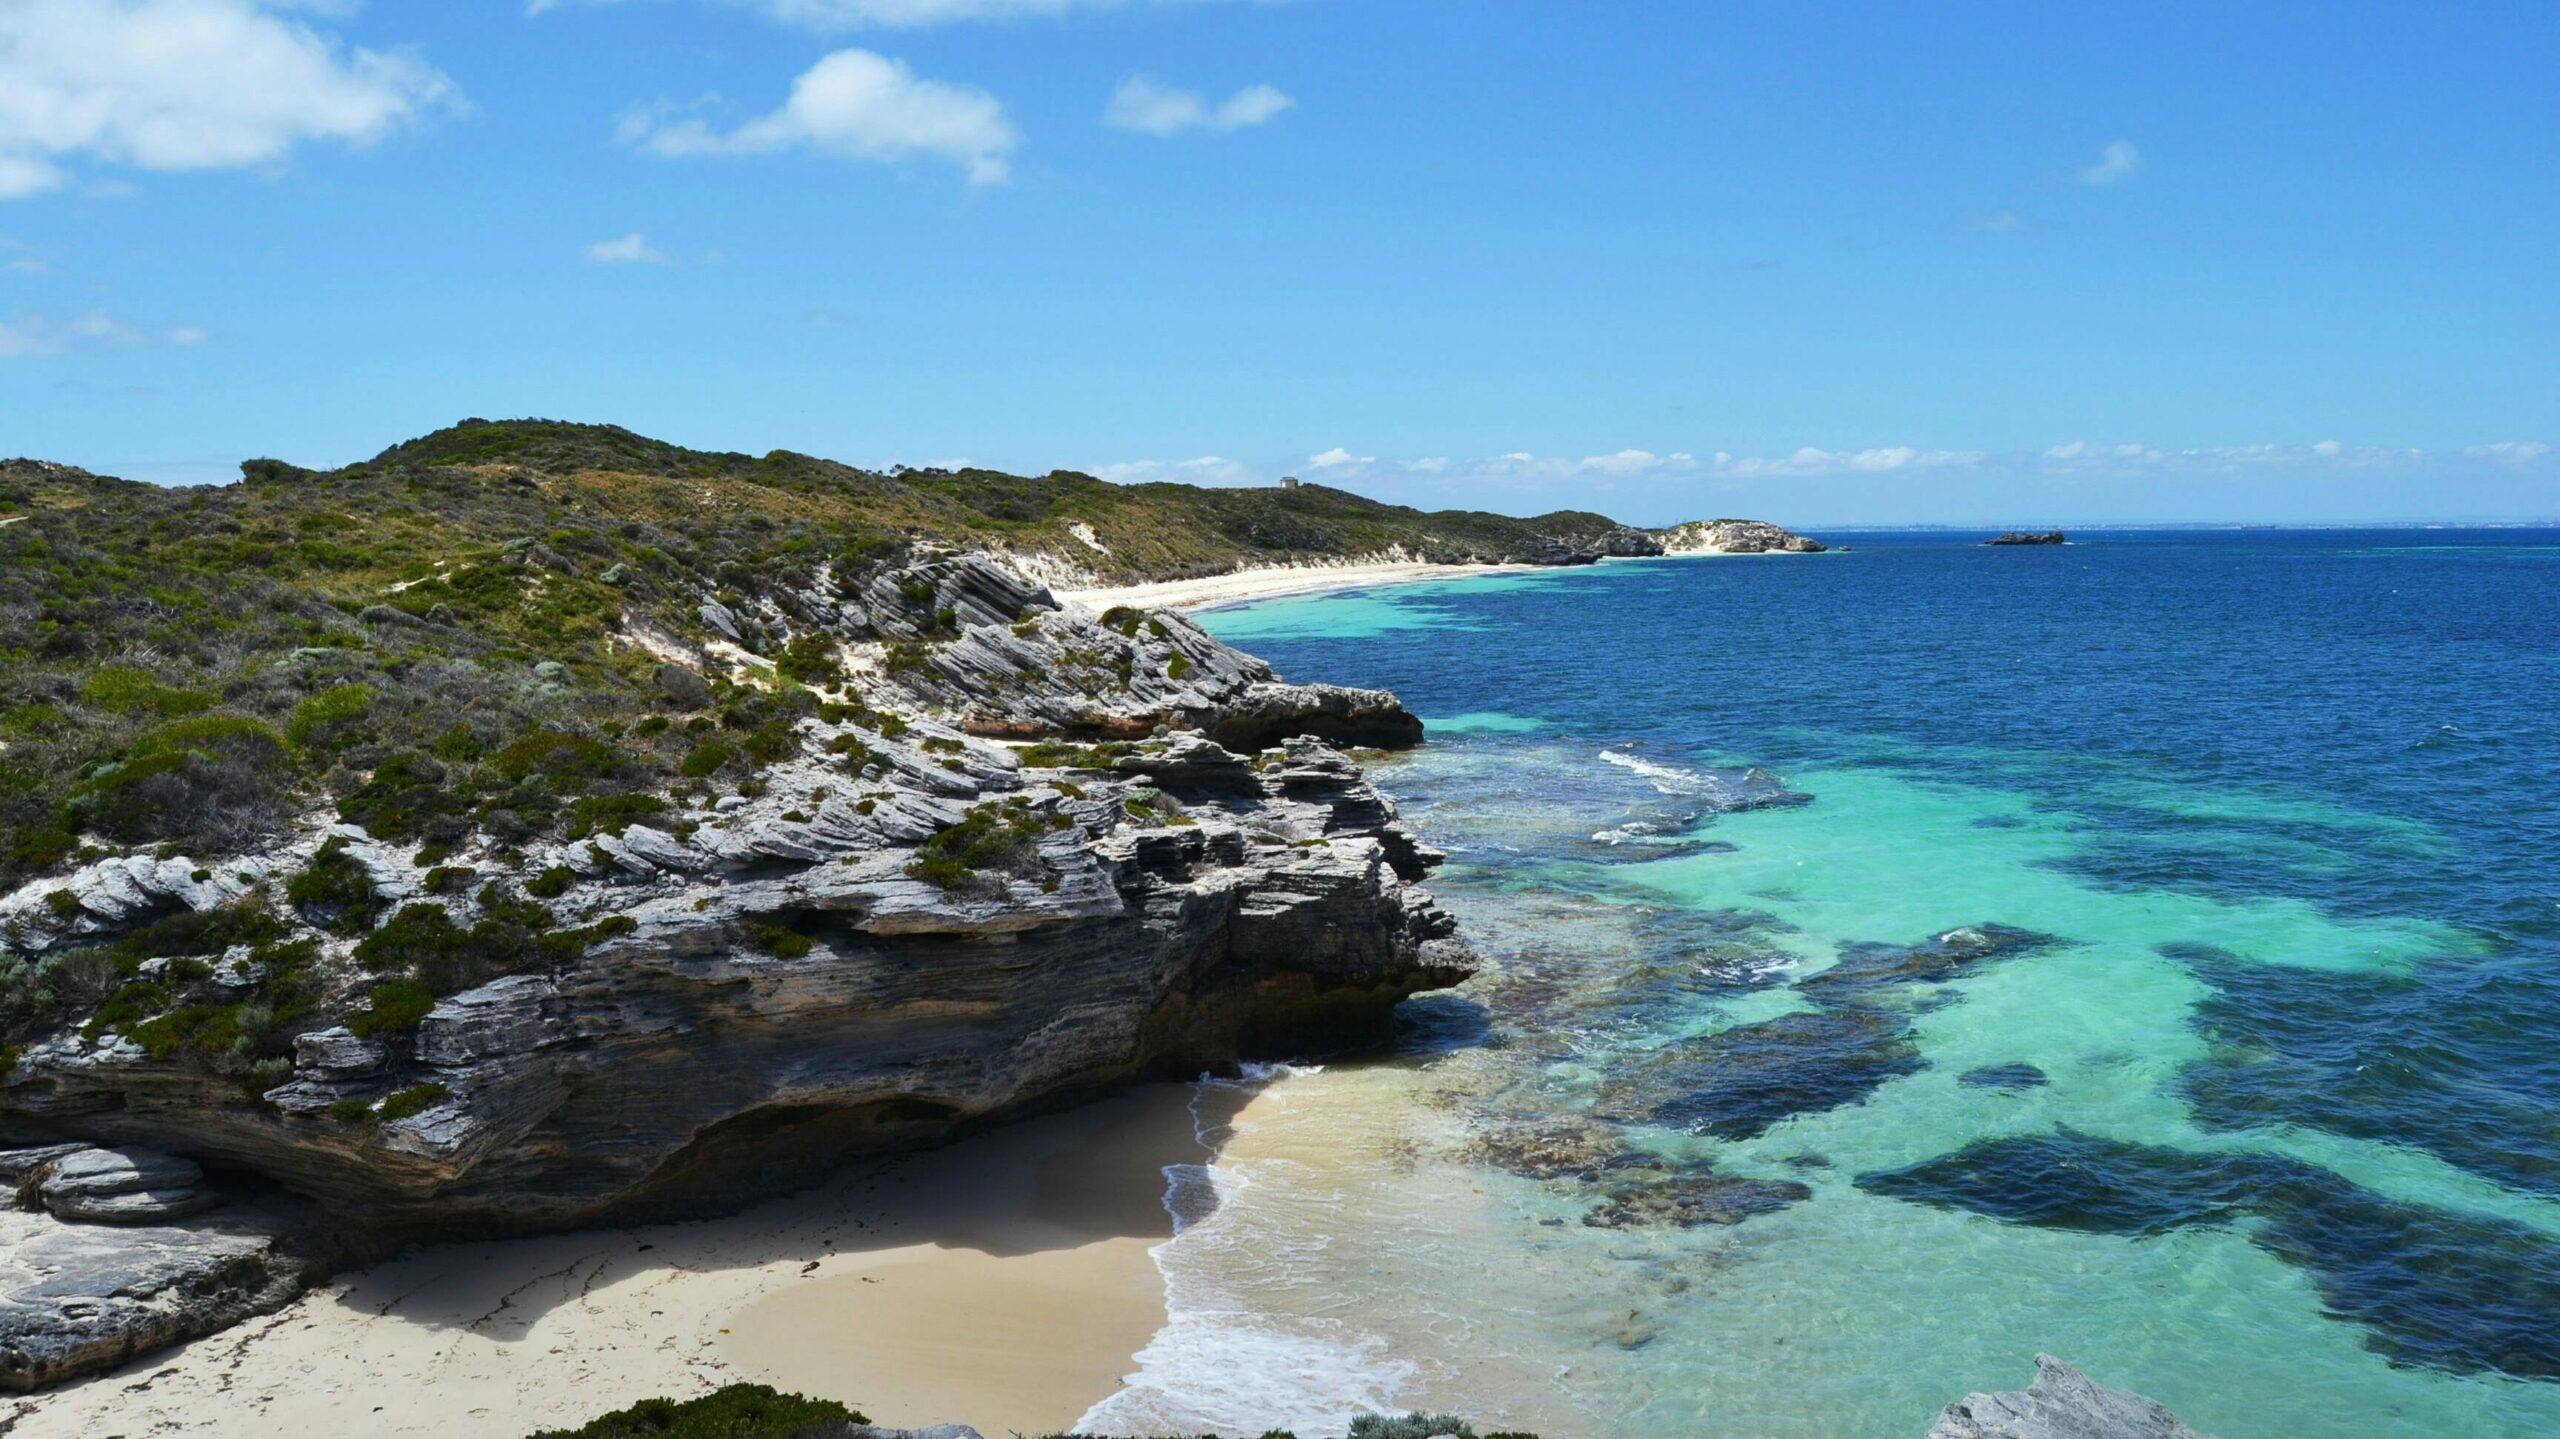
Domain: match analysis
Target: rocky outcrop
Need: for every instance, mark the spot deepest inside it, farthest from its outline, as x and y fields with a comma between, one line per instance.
x=2063, y=1404
x=1002, y=658
x=903, y=928
x=80, y=1297
x=1734, y=537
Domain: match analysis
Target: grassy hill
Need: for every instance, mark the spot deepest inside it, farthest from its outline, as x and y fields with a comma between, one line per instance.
x=451, y=636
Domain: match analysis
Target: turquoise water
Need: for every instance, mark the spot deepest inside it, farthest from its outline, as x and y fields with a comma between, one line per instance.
x=2146, y=951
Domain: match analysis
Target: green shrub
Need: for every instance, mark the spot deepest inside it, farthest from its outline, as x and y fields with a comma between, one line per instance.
x=551, y=883
x=334, y=891
x=706, y=759
x=125, y=689
x=569, y=761
x=611, y=813
x=397, y=1007
x=989, y=837
x=738, y=1411
x=416, y=1099
x=780, y=941
x=401, y=795
x=810, y=658
x=328, y=719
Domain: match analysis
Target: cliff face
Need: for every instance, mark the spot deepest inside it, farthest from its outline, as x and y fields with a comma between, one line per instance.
x=902, y=927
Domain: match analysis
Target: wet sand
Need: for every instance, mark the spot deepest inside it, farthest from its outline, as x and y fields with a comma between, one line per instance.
x=1003, y=1282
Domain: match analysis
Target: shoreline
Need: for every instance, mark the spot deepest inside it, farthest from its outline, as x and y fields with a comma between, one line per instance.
x=1269, y=582
x=1265, y=582
x=1005, y=1282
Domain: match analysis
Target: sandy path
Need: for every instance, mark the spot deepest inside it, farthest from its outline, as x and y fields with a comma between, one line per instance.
x=1003, y=1282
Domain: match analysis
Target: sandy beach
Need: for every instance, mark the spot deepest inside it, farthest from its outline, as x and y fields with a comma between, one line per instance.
x=1271, y=581
x=1004, y=1282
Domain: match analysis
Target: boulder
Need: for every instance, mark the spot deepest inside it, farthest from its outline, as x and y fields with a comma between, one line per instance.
x=2062, y=1404
x=76, y=1297
x=121, y=1186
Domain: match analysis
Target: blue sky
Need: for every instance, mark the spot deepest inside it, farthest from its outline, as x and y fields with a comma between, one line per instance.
x=1825, y=263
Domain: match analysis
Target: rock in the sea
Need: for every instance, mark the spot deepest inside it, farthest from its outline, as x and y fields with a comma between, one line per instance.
x=2063, y=1404
x=78, y=1297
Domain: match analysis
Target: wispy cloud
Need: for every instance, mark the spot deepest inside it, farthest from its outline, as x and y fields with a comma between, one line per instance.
x=631, y=249
x=1143, y=105
x=2512, y=452
x=1814, y=461
x=861, y=106
x=846, y=15
x=2114, y=164
x=188, y=85
x=1996, y=222
x=1635, y=467
x=35, y=336
x=1206, y=470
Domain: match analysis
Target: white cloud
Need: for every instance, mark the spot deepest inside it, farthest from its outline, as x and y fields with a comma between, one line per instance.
x=187, y=85
x=2116, y=162
x=631, y=249
x=842, y=15
x=1810, y=461
x=1206, y=470
x=36, y=336
x=2514, y=452
x=2083, y=456
x=1997, y=222
x=862, y=106
x=1336, y=458
x=1153, y=109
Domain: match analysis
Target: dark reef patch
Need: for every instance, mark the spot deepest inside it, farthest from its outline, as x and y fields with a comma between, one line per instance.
x=1865, y=970
x=2004, y=1076
x=2458, y=1062
x=1740, y=1083
x=1695, y=1199
x=2437, y=1288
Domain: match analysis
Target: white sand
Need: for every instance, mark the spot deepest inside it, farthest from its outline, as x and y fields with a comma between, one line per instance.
x=1003, y=1282
x=1269, y=581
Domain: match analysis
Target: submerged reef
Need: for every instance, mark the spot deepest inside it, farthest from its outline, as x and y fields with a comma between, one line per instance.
x=2460, y=1292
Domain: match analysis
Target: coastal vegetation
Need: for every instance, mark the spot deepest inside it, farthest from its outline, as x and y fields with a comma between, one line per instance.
x=455, y=635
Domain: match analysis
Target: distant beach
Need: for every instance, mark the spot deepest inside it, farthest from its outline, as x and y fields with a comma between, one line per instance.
x=1264, y=582
x=1272, y=581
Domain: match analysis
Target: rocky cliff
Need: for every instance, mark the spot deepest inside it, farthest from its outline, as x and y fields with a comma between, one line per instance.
x=1009, y=854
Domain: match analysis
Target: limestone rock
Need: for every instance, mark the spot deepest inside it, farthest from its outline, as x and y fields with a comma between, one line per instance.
x=2063, y=1404
x=1733, y=537
x=75, y=1297
x=120, y=1186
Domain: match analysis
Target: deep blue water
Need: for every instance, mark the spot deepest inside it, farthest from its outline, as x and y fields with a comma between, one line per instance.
x=2271, y=817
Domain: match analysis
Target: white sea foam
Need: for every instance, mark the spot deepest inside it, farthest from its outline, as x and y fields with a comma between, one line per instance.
x=1665, y=778
x=1221, y=1364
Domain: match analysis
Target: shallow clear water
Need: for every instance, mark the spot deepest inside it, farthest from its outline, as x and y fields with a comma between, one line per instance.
x=2238, y=1084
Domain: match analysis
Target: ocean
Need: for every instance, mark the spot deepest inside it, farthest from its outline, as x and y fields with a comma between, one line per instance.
x=1905, y=960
